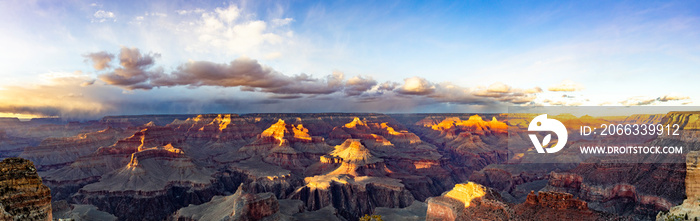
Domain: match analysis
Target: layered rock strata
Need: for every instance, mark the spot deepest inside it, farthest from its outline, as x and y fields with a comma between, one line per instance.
x=22, y=196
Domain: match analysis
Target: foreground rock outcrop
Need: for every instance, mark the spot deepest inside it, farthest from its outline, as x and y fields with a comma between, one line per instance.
x=22, y=196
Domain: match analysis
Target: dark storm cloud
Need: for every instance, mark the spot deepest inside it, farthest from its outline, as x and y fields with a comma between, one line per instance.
x=263, y=88
x=247, y=74
x=133, y=72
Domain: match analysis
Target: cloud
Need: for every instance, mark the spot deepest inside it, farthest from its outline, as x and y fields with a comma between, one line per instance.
x=87, y=83
x=191, y=11
x=133, y=73
x=498, y=87
x=672, y=97
x=137, y=70
x=248, y=74
x=638, y=101
x=450, y=93
x=416, y=86
x=642, y=100
x=358, y=85
x=533, y=90
x=387, y=86
x=102, y=16
x=563, y=102
x=505, y=93
x=566, y=85
x=251, y=75
x=281, y=21
x=60, y=96
x=100, y=60
x=232, y=30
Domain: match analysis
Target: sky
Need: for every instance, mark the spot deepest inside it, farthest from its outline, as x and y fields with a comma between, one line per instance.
x=88, y=59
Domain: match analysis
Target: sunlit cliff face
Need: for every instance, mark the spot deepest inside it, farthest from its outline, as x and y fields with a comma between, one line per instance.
x=223, y=121
x=474, y=122
x=357, y=124
x=282, y=131
x=466, y=192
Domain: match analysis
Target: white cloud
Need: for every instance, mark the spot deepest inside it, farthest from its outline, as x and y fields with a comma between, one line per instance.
x=192, y=11
x=566, y=85
x=102, y=16
x=416, y=86
x=281, y=22
x=230, y=30
x=157, y=14
x=229, y=14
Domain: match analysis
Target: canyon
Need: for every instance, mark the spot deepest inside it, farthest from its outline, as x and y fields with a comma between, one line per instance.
x=335, y=166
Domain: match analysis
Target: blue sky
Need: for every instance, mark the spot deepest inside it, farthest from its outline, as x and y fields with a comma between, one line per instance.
x=384, y=56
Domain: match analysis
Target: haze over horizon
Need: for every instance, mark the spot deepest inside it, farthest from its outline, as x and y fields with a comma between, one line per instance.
x=87, y=59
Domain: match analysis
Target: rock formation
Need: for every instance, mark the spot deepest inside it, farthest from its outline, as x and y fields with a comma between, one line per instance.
x=286, y=145
x=472, y=201
x=65, y=211
x=218, y=130
x=336, y=165
x=557, y=206
x=22, y=196
x=473, y=143
x=614, y=196
x=239, y=206
x=12, y=146
x=690, y=207
x=356, y=187
x=53, y=153
x=161, y=179
x=90, y=168
x=416, y=163
x=468, y=201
